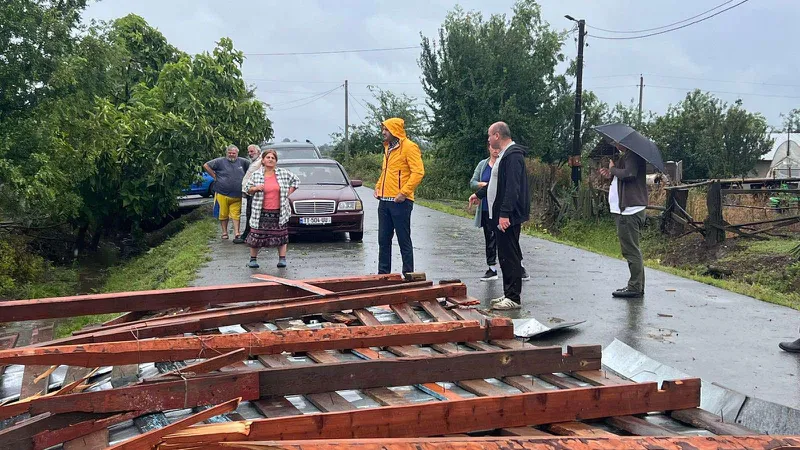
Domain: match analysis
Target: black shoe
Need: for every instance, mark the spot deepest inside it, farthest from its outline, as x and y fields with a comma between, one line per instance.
x=238, y=240
x=525, y=276
x=791, y=347
x=627, y=293
x=489, y=275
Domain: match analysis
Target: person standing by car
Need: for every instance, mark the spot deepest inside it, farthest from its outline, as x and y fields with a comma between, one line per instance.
x=228, y=173
x=254, y=152
x=401, y=173
x=480, y=178
x=270, y=189
x=509, y=206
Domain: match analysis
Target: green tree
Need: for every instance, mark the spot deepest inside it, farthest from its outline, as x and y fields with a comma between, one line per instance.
x=34, y=35
x=481, y=71
x=712, y=138
x=791, y=121
x=119, y=124
x=366, y=137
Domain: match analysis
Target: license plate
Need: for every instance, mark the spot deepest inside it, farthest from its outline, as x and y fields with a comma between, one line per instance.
x=315, y=220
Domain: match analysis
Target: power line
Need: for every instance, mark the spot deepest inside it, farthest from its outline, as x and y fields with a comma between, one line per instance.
x=724, y=92
x=355, y=110
x=661, y=27
x=610, y=87
x=329, y=52
x=288, y=102
x=366, y=110
x=723, y=81
x=320, y=97
x=330, y=82
x=670, y=29
x=758, y=83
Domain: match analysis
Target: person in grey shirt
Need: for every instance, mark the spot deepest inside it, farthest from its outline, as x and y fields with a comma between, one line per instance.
x=228, y=173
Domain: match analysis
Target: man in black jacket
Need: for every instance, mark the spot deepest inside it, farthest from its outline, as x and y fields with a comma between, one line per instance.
x=509, y=207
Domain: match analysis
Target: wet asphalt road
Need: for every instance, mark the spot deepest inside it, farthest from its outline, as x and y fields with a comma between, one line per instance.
x=701, y=330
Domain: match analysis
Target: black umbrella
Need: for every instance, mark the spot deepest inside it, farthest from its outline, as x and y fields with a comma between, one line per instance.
x=633, y=141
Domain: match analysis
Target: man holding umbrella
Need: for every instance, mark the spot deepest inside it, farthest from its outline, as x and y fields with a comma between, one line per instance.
x=627, y=197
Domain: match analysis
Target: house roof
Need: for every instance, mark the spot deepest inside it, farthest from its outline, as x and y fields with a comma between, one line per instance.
x=780, y=142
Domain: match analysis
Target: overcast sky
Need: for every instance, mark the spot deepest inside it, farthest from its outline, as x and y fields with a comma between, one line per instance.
x=749, y=52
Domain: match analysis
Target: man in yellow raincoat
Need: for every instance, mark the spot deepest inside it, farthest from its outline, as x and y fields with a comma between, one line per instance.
x=401, y=173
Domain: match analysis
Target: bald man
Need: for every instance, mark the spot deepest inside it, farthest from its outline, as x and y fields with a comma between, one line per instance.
x=509, y=207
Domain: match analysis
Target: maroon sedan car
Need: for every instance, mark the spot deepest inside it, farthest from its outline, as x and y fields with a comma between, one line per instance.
x=326, y=200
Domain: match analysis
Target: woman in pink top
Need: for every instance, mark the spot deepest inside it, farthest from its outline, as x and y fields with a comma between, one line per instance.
x=269, y=218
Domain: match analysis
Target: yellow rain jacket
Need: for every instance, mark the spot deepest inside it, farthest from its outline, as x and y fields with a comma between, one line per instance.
x=402, y=169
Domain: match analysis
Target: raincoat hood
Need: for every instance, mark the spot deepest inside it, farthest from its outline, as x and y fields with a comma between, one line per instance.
x=396, y=126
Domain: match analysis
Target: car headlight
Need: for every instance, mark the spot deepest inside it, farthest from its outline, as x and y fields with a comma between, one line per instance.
x=352, y=205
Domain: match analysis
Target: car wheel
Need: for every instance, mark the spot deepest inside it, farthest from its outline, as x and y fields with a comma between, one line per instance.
x=356, y=236
x=210, y=192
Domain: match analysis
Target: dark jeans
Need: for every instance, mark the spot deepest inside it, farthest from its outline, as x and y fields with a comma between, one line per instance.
x=629, y=229
x=394, y=218
x=489, y=232
x=510, y=261
x=247, y=216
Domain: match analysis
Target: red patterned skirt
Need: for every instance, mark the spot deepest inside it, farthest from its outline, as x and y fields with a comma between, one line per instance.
x=269, y=233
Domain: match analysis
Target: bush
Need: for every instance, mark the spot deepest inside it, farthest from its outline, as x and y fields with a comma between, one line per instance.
x=18, y=266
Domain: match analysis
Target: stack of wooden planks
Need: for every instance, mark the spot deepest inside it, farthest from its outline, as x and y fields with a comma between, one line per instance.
x=359, y=362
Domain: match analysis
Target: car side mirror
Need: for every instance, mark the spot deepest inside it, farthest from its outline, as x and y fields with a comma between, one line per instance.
x=356, y=183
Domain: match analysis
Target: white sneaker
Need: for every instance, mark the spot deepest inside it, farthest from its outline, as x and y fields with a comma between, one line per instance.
x=497, y=300
x=506, y=304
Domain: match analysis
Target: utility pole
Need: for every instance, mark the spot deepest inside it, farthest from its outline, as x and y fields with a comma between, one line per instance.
x=575, y=157
x=346, y=125
x=641, y=88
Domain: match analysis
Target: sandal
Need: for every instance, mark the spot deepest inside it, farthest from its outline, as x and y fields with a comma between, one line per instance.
x=224, y=235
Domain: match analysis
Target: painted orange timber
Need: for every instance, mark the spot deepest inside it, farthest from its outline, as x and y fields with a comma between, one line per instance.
x=317, y=378
x=153, y=397
x=463, y=416
x=192, y=322
x=57, y=307
x=256, y=343
x=528, y=443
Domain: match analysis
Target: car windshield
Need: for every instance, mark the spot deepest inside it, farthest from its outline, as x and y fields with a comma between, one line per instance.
x=296, y=153
x=317, y=174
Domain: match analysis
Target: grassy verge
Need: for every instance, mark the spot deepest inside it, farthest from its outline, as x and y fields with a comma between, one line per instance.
x=600, y=237
x=172, y=264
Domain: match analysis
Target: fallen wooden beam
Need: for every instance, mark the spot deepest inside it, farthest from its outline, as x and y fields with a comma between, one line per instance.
x=21, y=435
x=310, y=379
x=205, y=366
x=700, y=418
x=258, y=343
x=152, y=397
x=308, y=287
x=407, y=371
x=193, y=322
x=274, y=302
x=58, y=307
x=528, y=443
x=462, y=416
x=153, y=438
x=50, y=438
